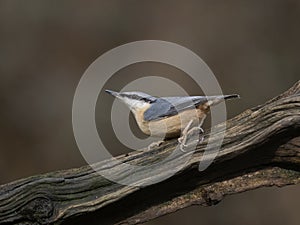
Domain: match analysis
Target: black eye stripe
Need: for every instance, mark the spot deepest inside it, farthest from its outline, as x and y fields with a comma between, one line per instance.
x=136, y=97
x=147, y=100
x=130, y=96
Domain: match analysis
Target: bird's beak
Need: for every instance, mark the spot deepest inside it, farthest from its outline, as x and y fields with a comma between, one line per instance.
x=113, y=93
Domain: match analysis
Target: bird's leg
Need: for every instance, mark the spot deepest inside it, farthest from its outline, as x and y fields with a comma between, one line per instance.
x=183, y=139
x=188, y=132
x=155, y=145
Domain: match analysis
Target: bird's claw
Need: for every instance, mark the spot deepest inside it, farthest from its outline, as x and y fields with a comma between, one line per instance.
x=182, y=146
x=155, y=145
x=183, y=139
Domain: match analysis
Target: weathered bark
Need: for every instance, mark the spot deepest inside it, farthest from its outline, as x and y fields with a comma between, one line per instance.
x=261, y=148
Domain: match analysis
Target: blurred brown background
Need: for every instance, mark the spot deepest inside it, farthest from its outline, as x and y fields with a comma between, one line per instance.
x=45, y=47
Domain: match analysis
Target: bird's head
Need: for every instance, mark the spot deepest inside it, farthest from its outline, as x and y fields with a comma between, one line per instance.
x=134, y=100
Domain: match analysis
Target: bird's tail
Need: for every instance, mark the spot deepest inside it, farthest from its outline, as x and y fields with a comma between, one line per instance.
x=231, y=96
x=214, y=100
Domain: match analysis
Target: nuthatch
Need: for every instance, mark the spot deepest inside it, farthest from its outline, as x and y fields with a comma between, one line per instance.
x=162, y=116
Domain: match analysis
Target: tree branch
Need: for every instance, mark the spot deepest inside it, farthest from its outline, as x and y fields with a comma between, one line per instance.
x=261, y=148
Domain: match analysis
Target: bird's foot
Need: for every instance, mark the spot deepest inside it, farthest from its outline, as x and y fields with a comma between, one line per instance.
x=188, y=133
x=155, y=145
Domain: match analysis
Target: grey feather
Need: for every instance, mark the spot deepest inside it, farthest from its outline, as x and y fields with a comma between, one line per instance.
x=170, y=106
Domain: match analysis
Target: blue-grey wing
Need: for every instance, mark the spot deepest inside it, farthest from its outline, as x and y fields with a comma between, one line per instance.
x=170, y=106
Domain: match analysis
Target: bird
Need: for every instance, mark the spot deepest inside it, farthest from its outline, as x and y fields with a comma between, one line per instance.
x=170, y=117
